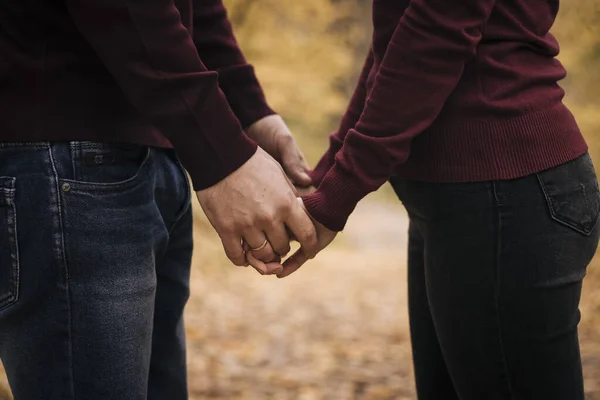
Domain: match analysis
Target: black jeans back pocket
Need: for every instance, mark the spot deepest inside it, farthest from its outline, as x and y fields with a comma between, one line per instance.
x=571, y=191
x=9, y=254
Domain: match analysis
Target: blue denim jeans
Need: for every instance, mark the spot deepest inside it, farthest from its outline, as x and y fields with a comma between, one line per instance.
x=95, y=253
x=495, y=272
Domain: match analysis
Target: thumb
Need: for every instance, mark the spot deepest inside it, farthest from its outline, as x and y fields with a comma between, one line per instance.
x=294, y=165
x=293, y=263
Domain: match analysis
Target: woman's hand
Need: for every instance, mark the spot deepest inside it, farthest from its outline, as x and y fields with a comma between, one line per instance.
x=273, y=135
x=324, y=238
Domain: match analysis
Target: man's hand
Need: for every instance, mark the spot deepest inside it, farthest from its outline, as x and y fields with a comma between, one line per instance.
x=257, y=204
x=324, y=237
x=274, y=267
x=272, y=134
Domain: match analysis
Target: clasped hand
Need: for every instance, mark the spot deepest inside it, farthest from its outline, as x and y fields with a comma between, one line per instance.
x=256, y=210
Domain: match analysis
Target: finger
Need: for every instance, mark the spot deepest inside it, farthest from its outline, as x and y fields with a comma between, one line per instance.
x=263, y=268
x=293, y=186
x=260, y=250
x=295, y=164
x=289, y=181
x=303, y=230
x=290, y=234
x=258, y=265
x=274, y=267
x=233, y=249
x=279, y=239
x=283, y=173
x=293, y=263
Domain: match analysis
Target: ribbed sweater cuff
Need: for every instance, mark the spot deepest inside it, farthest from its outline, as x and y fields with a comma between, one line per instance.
x=217, y=148
x=324, y=165
x=335, y=200
x=239, y=150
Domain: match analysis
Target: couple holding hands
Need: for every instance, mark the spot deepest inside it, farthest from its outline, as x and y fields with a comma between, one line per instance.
x=107, y=103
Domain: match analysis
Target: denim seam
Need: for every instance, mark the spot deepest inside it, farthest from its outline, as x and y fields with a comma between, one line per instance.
x=12, y=297
x=497, y=263
x=35, y=145
x=63, y=259
x=180, y=216
x=75, y=155
x=188, y=200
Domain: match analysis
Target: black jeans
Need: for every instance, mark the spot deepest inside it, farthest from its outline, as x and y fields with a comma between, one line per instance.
x=495, y=274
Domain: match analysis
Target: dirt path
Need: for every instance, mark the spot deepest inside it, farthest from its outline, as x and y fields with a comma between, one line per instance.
x=335, y=330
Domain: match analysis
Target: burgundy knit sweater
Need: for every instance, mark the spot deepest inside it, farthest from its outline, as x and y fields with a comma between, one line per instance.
x=137, y=71
x=452, y=91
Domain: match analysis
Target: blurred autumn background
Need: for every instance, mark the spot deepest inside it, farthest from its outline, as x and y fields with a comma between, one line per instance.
x=338, y=329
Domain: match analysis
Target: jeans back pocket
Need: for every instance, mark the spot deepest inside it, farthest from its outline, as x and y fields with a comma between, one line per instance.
x=571, y=191
x=9, y=254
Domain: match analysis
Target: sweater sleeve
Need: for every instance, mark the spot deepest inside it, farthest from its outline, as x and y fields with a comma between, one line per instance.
x=152, y=56
x=219, y=50
x=349, y=120
x=422, y=65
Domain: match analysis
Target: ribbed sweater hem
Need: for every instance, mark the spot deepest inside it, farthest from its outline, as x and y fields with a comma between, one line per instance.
x=494, y=150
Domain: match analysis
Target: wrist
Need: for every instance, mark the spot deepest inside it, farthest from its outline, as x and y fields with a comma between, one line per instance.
x=211, y=174
x=272, y=134
x=335, y=200
x=267, y=124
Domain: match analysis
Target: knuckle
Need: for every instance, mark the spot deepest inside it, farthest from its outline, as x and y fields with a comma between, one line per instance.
x=228, y=228
x=236, y=257
x=247, y=221
x=283, y=250
x=265, y=258
x=308, y=236
x=266, y=218
x=287, y=205
x=270, y=254
x=286, y=139
x=242, y=224
x=241, y=261
x=237, y=260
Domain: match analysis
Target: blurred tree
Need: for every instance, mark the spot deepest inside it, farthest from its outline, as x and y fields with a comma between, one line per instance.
x=578, y=32
x=307, y=55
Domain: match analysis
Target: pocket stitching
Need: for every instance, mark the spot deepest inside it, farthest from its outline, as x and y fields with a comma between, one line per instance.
x=13, y=294
x=129, y=183
x=562, y=219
